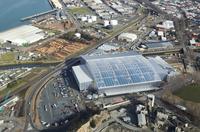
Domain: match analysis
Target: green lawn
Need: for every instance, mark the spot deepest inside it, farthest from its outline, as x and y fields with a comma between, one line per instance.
x=190, y=93
x=80, y=10
x=11, y=87
x=7, y=58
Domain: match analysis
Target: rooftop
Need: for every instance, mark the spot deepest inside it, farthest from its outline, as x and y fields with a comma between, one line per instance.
x=22, y=34
x=120, y=69
x=82, y=73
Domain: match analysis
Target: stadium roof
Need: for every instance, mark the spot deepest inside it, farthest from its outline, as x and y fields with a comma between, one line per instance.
x=121, y=69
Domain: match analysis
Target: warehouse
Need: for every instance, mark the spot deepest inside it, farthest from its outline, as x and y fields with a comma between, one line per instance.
x=129, y=37
x=120, y=73
x=25, y=34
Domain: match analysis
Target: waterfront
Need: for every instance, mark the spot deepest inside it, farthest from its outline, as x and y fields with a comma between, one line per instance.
x=11, y=11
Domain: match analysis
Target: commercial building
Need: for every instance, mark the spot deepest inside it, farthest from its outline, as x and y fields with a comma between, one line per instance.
x=22, y=35
x=120, y=73
x=129, y=37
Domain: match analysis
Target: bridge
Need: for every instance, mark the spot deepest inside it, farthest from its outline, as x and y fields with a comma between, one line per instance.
x=38, y=15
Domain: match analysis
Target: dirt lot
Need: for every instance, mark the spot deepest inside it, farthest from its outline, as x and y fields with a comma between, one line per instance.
x=60, y=48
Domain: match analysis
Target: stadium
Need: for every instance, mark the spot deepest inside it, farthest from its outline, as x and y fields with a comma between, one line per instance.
x=121, y=73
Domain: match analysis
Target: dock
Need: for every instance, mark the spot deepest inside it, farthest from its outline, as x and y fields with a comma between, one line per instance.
x=38, y=15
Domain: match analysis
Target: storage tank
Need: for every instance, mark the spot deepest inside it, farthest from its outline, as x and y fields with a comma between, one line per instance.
x=106, y=23
x=83, y=19
x=114, y=22
x=94, y=18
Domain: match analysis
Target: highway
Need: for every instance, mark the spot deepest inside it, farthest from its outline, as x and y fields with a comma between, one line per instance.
x=41, y=82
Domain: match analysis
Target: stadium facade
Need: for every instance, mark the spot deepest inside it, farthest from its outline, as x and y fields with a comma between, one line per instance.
x=120, y=73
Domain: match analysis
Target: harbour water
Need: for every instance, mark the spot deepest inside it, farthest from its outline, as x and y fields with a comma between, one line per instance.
x=11, y=11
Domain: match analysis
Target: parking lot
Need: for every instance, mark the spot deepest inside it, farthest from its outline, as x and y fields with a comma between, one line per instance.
x=59, y=101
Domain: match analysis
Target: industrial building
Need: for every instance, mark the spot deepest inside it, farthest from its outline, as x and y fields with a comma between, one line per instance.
x=129, y=37
x=22, y=35
x=166, y=25
x=156, y=45
x=120, y=73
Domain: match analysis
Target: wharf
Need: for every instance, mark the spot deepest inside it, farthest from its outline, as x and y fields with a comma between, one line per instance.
x=38, y=15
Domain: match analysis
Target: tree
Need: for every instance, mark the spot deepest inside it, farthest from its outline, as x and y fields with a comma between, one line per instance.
x=92, y=123
x=87, y=37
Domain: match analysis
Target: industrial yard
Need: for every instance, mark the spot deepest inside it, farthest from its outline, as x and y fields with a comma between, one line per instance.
x=60, y=48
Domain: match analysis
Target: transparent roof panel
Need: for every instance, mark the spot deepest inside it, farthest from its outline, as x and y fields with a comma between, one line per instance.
x=121, y=70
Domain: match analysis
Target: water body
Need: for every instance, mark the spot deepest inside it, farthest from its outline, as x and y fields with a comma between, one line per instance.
x=11, y=11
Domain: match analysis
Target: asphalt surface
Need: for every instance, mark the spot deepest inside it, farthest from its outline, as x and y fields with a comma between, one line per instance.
x=36, y=86
x=59, y=102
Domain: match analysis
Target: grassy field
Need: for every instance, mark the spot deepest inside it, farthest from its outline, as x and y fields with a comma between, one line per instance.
x=81, y=10
x=7, y=58
x=190, y=93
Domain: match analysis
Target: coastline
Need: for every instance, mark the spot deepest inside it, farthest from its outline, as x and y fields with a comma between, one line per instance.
x=11, y=18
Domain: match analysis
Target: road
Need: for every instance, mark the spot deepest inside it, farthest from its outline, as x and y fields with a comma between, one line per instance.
x=104, y=125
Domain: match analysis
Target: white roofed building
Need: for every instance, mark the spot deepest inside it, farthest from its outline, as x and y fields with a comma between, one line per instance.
x=168, y=24
x=22, y=34
x=120, y=73
x=129, y=37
